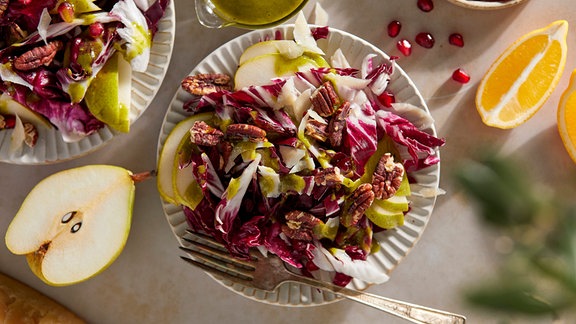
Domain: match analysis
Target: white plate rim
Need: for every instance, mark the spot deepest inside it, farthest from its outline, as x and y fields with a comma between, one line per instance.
x=485, y=5
x=51, y=148
x=398, y=242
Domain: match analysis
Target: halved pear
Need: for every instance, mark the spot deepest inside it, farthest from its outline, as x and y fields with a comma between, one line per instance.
x=167, y=157
x=109, y=95
x=74, y=223
x=261, y=69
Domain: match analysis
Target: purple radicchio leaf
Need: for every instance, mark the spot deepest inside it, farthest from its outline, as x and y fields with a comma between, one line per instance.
x=274, y=122
x=420, y=145
x=320, y=32
x=208, y=177
x=227, y=209
x=361, y=136
x=26, y=13
x=275, y=243
x=201, y=219
x=155, y=13
x=250, y=234
x=74, y=121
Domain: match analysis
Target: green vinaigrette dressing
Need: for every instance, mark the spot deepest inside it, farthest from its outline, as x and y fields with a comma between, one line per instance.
x=255, y=12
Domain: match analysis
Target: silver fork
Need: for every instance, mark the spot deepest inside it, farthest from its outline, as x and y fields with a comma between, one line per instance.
x=267, y=273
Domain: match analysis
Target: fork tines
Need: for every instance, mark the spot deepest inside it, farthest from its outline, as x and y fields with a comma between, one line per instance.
x=213, y=257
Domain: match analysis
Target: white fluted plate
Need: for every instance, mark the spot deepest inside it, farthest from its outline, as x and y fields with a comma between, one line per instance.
x=396, y=243
x=486, y=5
x=51, y=148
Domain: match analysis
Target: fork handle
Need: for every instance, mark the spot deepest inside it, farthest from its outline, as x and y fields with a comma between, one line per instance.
x=411, y=312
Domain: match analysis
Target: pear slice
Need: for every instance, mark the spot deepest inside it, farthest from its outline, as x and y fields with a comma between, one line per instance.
x=109, y=95
x=393, y=204
x=74, y=223
x=387, y=214
x=261, y=69
x=288, y=48
x=187, y=191
x=168, y=156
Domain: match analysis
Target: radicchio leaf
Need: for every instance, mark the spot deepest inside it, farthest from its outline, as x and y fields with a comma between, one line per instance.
x=275, y=243
x=360, y=138
x=228, y=208
x=154, y=14
x=420, y=145
x=207, y=176
x=249, y=235
x=74, y=121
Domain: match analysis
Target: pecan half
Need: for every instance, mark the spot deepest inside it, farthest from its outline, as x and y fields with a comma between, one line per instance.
x=316, y=130
x=30, y=131
x=38, y=56
x=387, y=177
x=328, y=176
x=15, y=33
x=324, y=99
x=203, y=84
x=7, y=121
x=300, y=225
x=337, y=124
x=362, y=198
x=3, y=6
x=204, y=134
x=245, y=132
x=31, y=134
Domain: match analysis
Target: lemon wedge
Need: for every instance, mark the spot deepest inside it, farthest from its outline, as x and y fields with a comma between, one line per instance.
x=520, y=81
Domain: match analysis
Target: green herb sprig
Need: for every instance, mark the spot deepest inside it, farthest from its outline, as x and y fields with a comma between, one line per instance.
x=537, y=276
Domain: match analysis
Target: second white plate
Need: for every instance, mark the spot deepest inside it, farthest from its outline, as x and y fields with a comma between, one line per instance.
x=51, y=148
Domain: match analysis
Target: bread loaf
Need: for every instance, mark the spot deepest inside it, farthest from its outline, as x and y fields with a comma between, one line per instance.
x=20, y=304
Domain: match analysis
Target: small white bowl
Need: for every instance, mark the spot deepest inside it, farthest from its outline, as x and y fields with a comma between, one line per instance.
x=486, y=5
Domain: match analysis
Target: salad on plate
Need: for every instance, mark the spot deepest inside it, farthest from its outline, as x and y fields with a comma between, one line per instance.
x=297, y=154
x=67, y=64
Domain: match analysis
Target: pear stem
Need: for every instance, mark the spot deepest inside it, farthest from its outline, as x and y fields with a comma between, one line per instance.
x=143, y=176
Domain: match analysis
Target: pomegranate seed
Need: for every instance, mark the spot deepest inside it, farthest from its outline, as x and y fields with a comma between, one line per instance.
x=425, y=5
x=404, y=47
x=66, y=11
x=7, y=121
x=460, y=76
x=394, y=28
x=425, y=40
x=456, y=40
x=386, y=98
x=96, y=30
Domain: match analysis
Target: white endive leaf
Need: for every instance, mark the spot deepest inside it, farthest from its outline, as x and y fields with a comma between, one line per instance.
x=303, y=35
x=43, y=24
x=18, y=136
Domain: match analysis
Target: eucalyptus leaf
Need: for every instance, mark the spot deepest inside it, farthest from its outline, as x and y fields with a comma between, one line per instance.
x=510, y=297
x=538, y=276
x=499, y=191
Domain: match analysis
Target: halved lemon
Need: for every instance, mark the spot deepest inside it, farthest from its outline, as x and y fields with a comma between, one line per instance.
x=522, y=78
x=567, y=117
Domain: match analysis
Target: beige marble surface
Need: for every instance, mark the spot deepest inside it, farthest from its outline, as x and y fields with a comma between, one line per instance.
x=148, y=283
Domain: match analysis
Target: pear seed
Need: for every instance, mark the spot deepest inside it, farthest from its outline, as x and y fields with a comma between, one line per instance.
x=76, y=227
x=68, y=216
